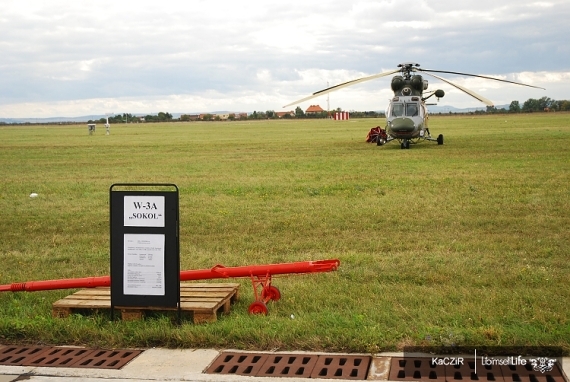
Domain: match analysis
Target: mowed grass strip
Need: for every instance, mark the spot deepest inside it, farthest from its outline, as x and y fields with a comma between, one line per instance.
x=465, y=243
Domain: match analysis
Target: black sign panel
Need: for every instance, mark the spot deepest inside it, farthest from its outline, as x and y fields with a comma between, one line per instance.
x=145, y=246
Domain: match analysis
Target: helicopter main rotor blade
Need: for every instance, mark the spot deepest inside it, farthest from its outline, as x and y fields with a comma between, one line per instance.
x=465, y=90
x=480, y=76
x=343, y=85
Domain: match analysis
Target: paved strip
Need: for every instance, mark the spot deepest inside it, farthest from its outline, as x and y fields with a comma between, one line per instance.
x=175, y=365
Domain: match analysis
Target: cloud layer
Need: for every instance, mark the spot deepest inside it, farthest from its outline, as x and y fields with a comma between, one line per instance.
x=64, y=58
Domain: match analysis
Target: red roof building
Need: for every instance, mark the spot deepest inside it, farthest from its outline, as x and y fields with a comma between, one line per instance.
x=281, y=114
x=314, y=109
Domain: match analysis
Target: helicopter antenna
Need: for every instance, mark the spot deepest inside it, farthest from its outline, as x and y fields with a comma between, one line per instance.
x=328, y=100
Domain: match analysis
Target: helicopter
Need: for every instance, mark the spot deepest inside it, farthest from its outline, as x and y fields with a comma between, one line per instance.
x=407, y=114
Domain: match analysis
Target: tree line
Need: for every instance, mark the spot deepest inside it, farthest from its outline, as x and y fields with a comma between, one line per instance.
x=529, y=106
x=131, y=118
x=533, y=105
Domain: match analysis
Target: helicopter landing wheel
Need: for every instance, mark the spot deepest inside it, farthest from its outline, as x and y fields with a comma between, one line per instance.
x=440, y=139
x=405, y=145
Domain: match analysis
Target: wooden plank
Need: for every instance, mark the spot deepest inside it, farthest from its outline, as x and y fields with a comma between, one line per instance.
x=83, y=304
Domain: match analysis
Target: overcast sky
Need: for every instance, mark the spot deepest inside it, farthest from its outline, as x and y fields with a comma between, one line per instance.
x=73, y=58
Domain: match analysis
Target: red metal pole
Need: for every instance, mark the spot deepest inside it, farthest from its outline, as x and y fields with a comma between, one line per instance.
x=217, y=272
x=32, y=286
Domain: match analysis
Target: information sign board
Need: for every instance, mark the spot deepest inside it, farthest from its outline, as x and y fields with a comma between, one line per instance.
x=145, y=247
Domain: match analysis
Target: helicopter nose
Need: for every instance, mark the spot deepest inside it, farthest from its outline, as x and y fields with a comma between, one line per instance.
x=402, y=125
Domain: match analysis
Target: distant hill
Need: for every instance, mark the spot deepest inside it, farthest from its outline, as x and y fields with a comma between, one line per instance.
x=446, y=109
x=84, y=118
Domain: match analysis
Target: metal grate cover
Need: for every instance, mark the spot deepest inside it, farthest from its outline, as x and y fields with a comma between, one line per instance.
x=407, y=369
x=342, y=367
x=18, y=355
x=65, y=357
x=291, y=365
x=421, y=369
x=294, y=365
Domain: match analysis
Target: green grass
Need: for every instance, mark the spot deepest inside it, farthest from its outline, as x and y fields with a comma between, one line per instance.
x=465, y=243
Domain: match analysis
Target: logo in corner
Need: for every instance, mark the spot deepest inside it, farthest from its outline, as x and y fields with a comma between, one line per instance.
x=542, y=364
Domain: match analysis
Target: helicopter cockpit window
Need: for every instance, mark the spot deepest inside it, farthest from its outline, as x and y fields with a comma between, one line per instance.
x=397, y=110
x=411, y=109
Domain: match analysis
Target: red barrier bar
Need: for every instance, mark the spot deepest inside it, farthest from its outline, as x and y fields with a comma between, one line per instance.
x=34, y=286
x=220, y=272
x=217, y=272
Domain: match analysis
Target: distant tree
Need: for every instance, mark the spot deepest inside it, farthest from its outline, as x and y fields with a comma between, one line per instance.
x=299, y=113
x=270, y=114
x=564, y=105
x=531, y=105
x=515, y=107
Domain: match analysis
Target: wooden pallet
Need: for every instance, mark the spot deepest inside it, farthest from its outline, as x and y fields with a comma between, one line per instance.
x=204, y=300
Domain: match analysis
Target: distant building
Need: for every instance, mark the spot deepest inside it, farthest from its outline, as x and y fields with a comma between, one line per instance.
x=189, y=117
x=314, y=109
x=281, y=114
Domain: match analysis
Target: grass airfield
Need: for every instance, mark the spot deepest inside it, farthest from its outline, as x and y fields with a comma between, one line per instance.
x=461, y=244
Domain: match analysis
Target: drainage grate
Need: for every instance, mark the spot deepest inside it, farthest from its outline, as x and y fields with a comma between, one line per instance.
x=57, y=357
x=421, y=368
x=291, y=365
x=416, y=369
x=288, y=365
x=107, y=359
x=18, y=355
x=65, y=357
x=237, y=363
x=527, y=374
x=343, y=367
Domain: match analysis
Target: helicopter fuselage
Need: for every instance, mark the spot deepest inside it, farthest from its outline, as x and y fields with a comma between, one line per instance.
x=406, y=117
